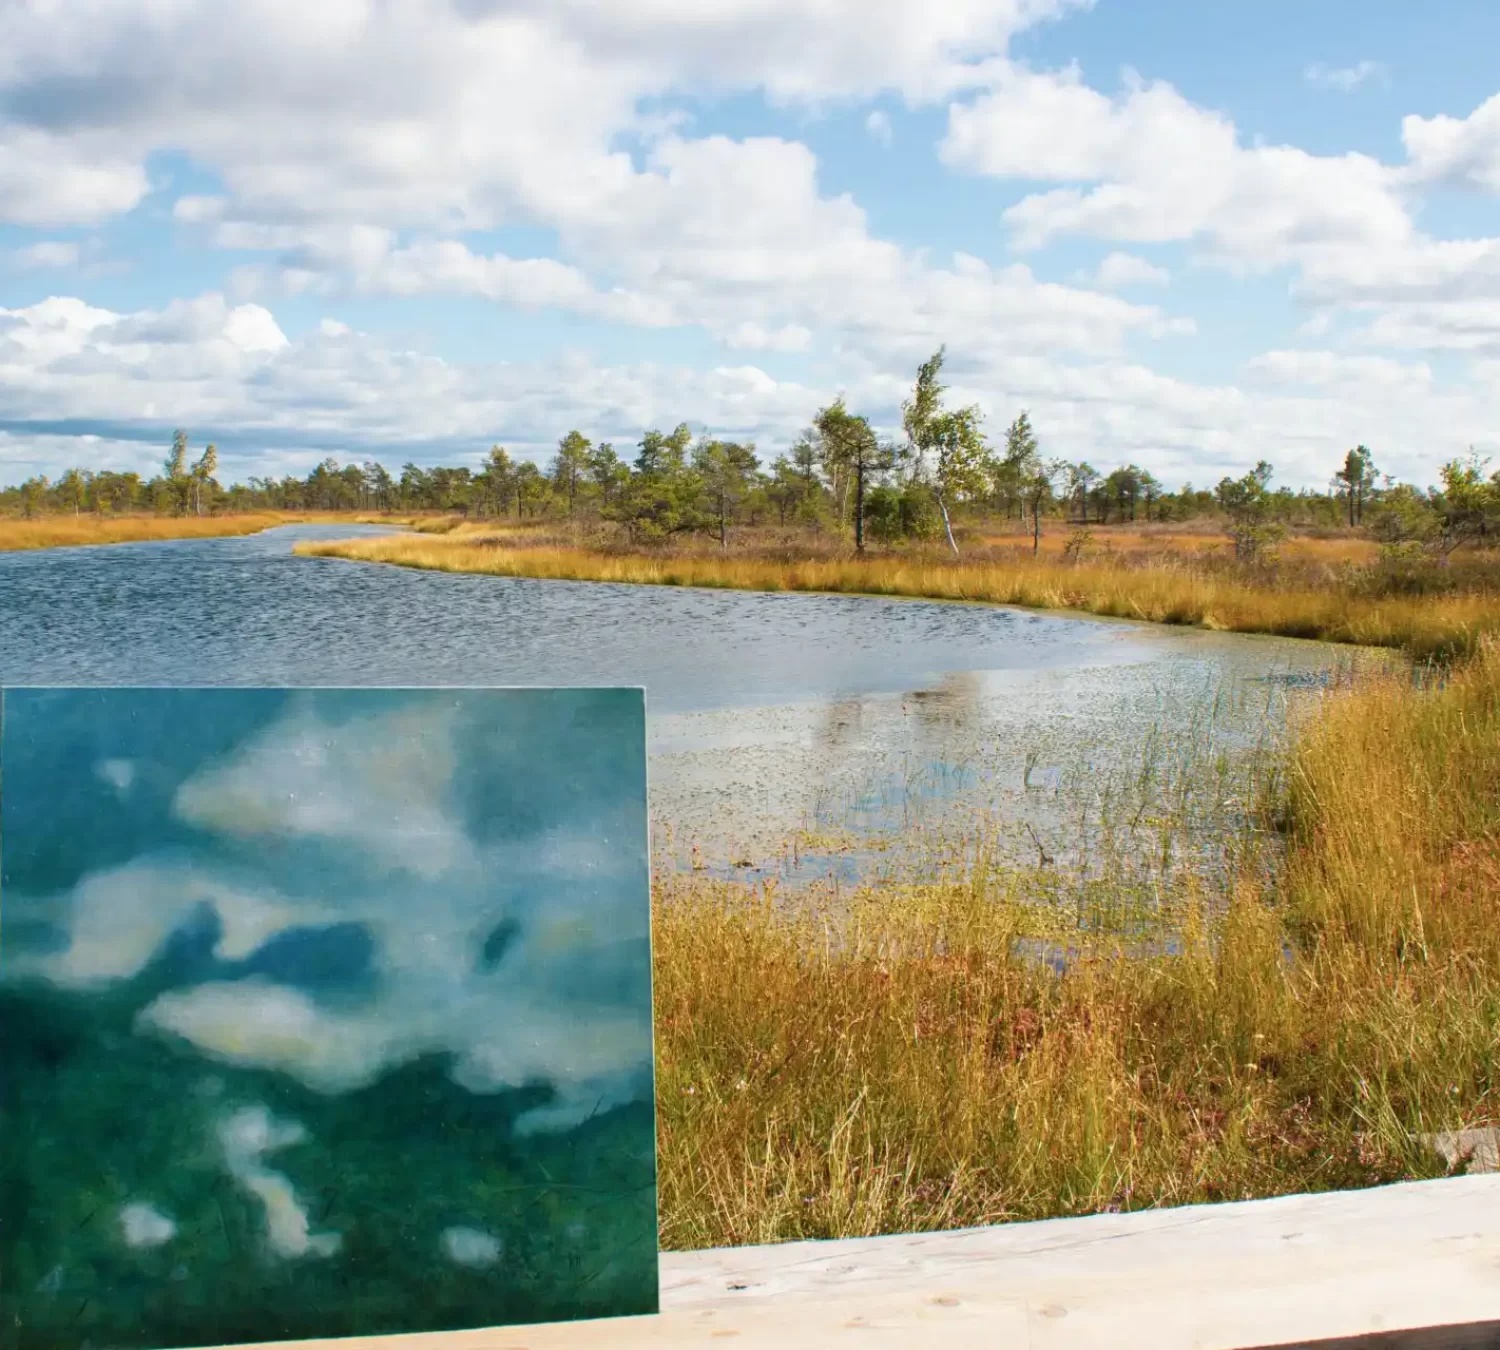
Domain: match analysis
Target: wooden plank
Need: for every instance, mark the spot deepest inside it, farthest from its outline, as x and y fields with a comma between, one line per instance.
x=1284, y=1272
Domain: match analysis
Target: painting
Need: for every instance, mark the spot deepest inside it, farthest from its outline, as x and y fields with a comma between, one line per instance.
x=324, y=1013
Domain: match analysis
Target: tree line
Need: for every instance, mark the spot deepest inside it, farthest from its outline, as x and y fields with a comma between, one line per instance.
x=839, y=476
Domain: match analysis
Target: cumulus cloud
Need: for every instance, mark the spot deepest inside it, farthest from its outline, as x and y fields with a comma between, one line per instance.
x=432, y=110
x=1118, y=270
x=1460, y=150
x=1166, y=170
x=878, y=125
x=1158, y=168
x=355, y=148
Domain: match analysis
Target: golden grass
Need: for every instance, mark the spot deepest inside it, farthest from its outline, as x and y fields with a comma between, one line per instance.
x=71, y=531
x=1424, y=626
x=1138, y=539
x=894, y=1064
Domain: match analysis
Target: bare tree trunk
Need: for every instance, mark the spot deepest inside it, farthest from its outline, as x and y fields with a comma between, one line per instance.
x=1036, y=526
x=947, y=524
x=859, y=507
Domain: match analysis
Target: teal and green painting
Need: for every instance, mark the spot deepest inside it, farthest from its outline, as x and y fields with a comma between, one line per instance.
x=322, y=1013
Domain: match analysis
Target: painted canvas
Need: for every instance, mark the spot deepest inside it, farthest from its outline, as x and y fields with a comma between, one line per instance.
x=323, y=1013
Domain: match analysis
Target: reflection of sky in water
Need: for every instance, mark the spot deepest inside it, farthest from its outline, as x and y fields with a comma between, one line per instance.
x=1048, y=755
x=341, y=882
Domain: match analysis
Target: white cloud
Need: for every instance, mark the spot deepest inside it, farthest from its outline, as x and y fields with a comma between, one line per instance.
x=1345, y=79
x=73, y=178
x=1163, y=169
x=431, y=111
x=878, y=125
x=1119, y=270
x=1166, y=170
x=1459, y=150
x=144, y=1225
x=1324, y=369
x=46, y=253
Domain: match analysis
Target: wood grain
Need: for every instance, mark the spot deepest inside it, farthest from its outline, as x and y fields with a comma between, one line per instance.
x=1279, y=1273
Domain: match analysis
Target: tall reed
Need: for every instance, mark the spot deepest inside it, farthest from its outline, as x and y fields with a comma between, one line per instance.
x=899, y=1060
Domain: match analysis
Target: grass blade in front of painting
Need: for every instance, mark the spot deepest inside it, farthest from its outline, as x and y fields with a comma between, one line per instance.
x=324, y=1013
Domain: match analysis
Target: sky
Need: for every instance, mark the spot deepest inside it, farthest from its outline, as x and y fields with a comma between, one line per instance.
x=1192, y=236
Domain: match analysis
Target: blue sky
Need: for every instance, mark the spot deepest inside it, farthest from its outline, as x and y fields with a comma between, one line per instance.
x=1190, y=236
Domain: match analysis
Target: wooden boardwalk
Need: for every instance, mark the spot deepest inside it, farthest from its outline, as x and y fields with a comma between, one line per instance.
x=1284, y=1272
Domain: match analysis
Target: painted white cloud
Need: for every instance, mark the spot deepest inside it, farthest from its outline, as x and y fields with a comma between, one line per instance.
x=470, y=1247
x=143, y=1225
x=377, y=785
x=1344, y=79
x=430, y=901
x=119, y=918
x=245, y=1138
x=118, y=773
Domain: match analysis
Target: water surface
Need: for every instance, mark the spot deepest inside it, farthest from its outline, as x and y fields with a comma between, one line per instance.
x=769, y=713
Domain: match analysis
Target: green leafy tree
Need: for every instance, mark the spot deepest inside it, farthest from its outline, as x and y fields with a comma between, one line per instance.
x=202, y=473
x=610, y=476
x=569, y=468
x=851, y=456
x=727, y=472
x=1082, y=478
x=175, y=472
x=531, y=488
x=661, y=498
x=1029, y=475
x=1247, y=503
x=1355, y=479
x=944, y=446
x=1469, y=503
x=72, y=488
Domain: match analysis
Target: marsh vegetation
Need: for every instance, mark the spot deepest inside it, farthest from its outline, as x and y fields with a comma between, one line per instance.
x=902, y=1057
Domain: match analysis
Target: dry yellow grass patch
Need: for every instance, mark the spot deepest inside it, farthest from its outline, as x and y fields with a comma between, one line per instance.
x=895, y=1064
x=1159, y=594
x=71, y=531
x=1135, y=540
